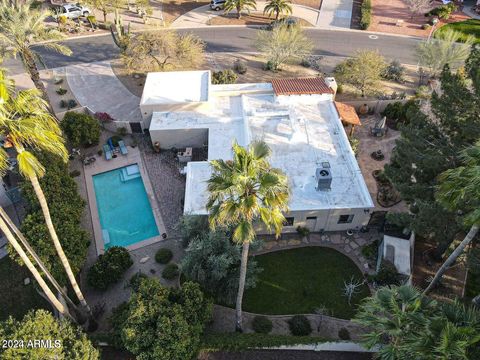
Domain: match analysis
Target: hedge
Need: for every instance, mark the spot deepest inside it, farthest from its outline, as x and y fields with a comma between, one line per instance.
x=81, y=129
x=366, y=14
x=109, y=268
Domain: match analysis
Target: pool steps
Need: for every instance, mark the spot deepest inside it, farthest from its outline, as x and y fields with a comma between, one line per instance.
x=129, y=173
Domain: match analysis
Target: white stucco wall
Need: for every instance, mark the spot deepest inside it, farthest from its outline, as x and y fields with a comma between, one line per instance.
x=180, y=138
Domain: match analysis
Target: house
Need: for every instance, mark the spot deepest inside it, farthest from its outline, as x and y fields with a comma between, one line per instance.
x=297, y=118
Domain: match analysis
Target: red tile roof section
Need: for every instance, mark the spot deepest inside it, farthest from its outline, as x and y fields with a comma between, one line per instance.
x=300, y=86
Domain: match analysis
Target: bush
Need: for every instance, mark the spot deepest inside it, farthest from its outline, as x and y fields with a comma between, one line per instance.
x=370, y=251
x=270, y=66
x=395, y=72
x=303, y=231
x=136, y=279
x=354, y=143
x=192, y=226
x=103, y=117
x=170, y=272
x=262, y=325
x=344, y=334
x=386, y=275
x=109, y=268
x=71, y=104
x=443, y=12
x=300, y=325
x=224, y=77
x=75, y=173
x=81, y=129
x=61, y=91
x=240, y=67
x=163, y=256
x=422, y=92
x=399, y=112
x=366, y=14
x=426, y=26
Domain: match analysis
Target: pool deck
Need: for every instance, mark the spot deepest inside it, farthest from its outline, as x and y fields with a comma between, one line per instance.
x=100, y=166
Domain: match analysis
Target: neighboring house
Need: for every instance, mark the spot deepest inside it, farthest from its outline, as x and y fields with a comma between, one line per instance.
x=297, y=118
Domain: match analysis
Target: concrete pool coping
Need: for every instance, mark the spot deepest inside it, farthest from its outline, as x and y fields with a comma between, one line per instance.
x=100, y=166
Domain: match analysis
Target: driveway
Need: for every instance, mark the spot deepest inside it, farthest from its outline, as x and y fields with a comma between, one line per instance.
x=335, y=14
x=96, y=86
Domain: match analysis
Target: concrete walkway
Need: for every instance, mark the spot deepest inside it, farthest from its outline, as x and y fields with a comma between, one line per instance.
x=335, y=14
x=96, y=86
x=200, y=16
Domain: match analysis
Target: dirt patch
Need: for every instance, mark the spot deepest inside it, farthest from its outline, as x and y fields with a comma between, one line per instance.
x=248, y=19
x=316, y=4
x=173, y=9
x=394, y=16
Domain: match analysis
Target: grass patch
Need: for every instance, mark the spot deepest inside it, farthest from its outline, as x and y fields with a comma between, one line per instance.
x=465, y=28
x=298, y=281
x=239, y=341
x=16, y=299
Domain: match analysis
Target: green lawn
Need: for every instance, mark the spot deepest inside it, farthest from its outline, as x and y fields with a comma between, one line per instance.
x=467, y=27
x=301, y=280
x=15, y=297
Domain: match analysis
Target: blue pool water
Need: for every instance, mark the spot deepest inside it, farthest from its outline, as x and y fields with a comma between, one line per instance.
x=126, y=216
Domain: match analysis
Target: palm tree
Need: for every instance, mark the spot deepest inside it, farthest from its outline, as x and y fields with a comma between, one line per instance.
x=243, y=191
x=459, y=190
x=21, y=28
x=239, y=5
x=278, y=7
x=27, y=124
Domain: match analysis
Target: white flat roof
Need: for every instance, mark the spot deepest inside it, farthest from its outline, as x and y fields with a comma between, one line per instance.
x=302, y=131
x=176, y=87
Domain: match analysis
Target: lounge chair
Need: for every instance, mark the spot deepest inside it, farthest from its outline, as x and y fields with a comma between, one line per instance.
x=123, y=148
x=107, y=152
x=110, y=144
x=380, y=128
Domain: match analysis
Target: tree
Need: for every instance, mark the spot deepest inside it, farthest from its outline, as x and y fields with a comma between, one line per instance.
x=418, y=6
x=81, y=129
x=407, y=325
x=163, y=323
x=27, y=124
x=239, y=5
x=278, y=7
x=282, y=44
x=363, y=71
x=446, y=48
x=459, y=190
x=213, y=261
x=152, y=51
x=22, y=28
x=61, y=340
x=430, y=144
x=109, y=268
x=106, y=6
x=242, y=191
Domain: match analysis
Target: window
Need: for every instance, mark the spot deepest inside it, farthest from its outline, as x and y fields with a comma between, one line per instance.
x=289, y=221
x=345, y=219
x=311, y=218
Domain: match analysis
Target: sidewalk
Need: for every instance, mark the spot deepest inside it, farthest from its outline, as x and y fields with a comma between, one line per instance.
x=199, y=17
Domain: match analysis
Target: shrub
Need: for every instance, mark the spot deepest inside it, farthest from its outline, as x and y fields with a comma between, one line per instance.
x=75, y=173
x=366, y=14
x=115, y=139
x=386, y=275
x=103, y=117
x=63, y=104
x=61, y=91
x=191, y=227
x=354, y=143
x=62, y=20
x=92, y=19
x=122, y=131
x=262, y=325
x=422, y=92
x=300, y=325
x=443, y=12
x=163, y=256
x=170, y=272
x=370, y=251
x=224, y=77
x=240, y=67
x=395, y=71
x=303, y=231
x=136, y=279
x=344, y=334
x=81, y=129
x=109, y=268
x=426, y=26
x=71, y=104
x=399, y=112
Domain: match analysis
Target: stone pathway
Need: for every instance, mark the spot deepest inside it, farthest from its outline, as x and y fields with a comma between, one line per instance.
x=96, y=86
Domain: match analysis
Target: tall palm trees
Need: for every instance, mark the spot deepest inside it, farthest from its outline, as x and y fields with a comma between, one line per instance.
x=460, y=189
x=22, y=27
x=26, y=124
x=239, y=5
x=242, y=191
x=278, y=7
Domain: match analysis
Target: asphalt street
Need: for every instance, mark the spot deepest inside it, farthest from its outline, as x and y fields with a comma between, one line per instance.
x=228, y=39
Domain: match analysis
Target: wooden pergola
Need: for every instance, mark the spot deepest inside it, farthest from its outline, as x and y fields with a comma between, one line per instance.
x=347, y=115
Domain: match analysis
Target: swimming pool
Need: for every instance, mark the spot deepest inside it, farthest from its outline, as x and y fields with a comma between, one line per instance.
x=126, y=216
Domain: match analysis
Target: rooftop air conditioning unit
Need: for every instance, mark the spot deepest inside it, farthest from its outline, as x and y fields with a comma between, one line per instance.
x=324, y=177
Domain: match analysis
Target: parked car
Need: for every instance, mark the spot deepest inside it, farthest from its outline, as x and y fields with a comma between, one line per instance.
x=73, y=11
x=288, y=21
x=217, y=4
